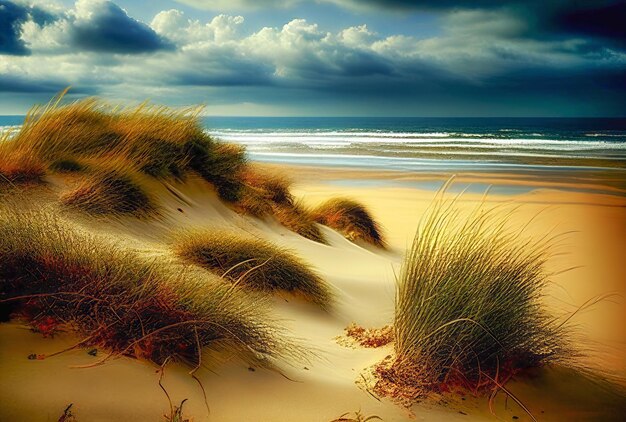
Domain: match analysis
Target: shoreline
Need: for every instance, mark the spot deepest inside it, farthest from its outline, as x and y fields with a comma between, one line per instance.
x=598, y=182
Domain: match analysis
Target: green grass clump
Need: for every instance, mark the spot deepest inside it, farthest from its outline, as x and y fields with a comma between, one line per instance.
x=252, y=262
x=350, y=218
x=111, y=189
x=468, y=303
x=53, y=274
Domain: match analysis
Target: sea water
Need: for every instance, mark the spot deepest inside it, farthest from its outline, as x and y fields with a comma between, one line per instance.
x=425, y=144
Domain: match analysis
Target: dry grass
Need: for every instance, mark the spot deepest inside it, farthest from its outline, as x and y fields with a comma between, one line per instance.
x=297, y=218
x=370, y=337
x=52, y=273
x=19, y=167
x=264, y=190
x=252, y=262
x=158, y=141
x=468, y=305
x=87, y=135
x=266, y=194
x=110, y=189
x=351, y=219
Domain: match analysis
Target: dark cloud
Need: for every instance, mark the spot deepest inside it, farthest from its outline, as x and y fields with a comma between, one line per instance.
x=110, y=29
x=606, y=21
x=12, y=16
x=18, y=84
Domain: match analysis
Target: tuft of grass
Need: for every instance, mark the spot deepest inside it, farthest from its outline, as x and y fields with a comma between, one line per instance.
x=265, y=188
x=119, y=300
x=220, y=164
x=468, y=304
x=350, y=218
x=252, y=262
x=158, y=141
x=298, y=219
x=111, y=189
x=19, y=167
x=265, y=194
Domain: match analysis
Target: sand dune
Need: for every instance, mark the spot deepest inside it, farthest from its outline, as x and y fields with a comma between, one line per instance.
x=362, y=279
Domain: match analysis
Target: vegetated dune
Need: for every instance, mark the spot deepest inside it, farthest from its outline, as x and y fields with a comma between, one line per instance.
x=96, y=252
x=350, y=218
x=252, y=262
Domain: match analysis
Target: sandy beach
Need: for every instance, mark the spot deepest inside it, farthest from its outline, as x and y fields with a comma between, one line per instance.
x=312, y=211
x=362, y=278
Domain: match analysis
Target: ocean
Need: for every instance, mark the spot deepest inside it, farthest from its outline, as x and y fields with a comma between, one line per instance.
x=426, y=144
x=429, y=144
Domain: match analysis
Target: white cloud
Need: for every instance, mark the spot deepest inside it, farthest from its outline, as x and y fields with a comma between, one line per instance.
x=222, y=52
x=239, y=4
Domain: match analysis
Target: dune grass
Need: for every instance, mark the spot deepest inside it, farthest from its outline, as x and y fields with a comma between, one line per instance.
x=468, y=304
x=110, y=189
x=252, y=262
x=19, y=167
x=52, y=273
x=350, y=218
x=158, y=141
x=297, y=218
x=155, y=141
x=268, y=194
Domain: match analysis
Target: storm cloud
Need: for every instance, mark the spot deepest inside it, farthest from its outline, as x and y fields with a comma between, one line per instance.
x=520, y=58
x=104, y=27
x=12, y=16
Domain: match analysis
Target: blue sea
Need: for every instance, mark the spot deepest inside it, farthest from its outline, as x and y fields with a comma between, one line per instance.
x=429, y=144
x=426, y=144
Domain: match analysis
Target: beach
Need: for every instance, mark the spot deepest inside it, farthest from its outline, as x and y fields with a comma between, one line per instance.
x=363, y=280
x=312, y=211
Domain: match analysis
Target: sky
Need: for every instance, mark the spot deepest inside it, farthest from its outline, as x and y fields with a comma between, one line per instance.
x=321, y=57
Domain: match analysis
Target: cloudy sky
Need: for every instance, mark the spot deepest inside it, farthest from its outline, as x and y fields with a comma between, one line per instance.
x=321, y=57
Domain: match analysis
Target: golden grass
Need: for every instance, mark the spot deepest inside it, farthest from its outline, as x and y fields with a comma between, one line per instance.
x=19, y=167
x=468, y=305
x=158, y=141
x=266, y=194
x=53, y=274
x=85, y=136
x=350, y=218
x=110, y=189
x=297, y=218
x=252, y=262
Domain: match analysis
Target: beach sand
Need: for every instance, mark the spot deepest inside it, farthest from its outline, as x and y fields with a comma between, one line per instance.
x=591, y=215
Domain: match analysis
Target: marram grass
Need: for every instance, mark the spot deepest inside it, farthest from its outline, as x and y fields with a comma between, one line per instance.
x=252, y=262
x=268, y=194
x=350, y=218
x=110, y=189
x=468, y=303
x=158, y=141
x=19, y=167
x=54, y=274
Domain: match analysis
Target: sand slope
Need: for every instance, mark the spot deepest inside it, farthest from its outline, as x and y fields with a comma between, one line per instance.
x=363, y=280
